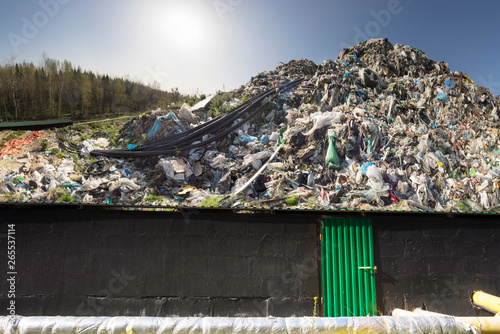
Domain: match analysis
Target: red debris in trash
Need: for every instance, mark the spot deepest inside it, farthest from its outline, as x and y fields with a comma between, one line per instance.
x=15, y=145
x=394, y=198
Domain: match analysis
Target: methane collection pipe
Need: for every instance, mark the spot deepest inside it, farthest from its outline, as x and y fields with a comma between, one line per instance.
x=486, y=301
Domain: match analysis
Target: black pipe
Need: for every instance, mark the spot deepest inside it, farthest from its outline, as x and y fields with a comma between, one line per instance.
x=183, y=141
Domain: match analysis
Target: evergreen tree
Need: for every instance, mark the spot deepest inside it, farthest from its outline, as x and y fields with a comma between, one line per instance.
x=55, y=88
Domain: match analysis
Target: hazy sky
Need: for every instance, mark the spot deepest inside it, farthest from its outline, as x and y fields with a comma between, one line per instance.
x=206, y=45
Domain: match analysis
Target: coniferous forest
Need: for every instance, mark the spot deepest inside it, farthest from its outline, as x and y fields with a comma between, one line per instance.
x=56, y=89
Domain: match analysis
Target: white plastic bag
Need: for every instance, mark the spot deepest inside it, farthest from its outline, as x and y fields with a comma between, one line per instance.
x=91, y=184
x=185, y=114
x=250, y=158
x=219, y=162
x=125, y=185
x=67, y=166
x=375, y=179
x=324, y=119
x=48, y=169
x=94, y=144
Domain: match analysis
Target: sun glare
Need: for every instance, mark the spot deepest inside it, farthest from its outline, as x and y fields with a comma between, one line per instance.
x=184, y=27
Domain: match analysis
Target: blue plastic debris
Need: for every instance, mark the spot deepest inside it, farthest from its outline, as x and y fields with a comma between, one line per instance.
x=157, y=125
x=449, y=84
x=441, y=96
x=247, y=139
x=364, y=167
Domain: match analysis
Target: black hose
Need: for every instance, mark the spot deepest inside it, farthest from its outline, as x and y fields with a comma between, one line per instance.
x=220, y=126
x=98, y=167
x=213, y=126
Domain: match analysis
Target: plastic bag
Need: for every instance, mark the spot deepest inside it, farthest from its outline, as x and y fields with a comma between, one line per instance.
x=94, y=144
x=274, y=136
x=48, y=169
x=186, y=114
x=36, y=176
x=375, y=179
x=485, y=201
x=247, y=139
x=91, y=184
x=157, y=125
x=125, y=185
x=369, y=195
x=324, y=120
x=332, y=159
x=310, y=180
x=423, y=144
x=88, y=198
x=449, y=84
x=67, y=166
x=441, y=96
x=219, y=162
x=256, y=164
x=167, y=166
x=256, y=156
x=364, y=167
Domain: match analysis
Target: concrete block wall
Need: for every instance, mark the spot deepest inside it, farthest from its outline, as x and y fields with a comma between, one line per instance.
x=198, y=263
x=435, y=262
x=108, y=263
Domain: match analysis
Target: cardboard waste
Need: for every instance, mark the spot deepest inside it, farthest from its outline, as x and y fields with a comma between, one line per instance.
x=382, y=127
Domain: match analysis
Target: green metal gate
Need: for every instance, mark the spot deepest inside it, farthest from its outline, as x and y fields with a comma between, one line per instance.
x=348, y=268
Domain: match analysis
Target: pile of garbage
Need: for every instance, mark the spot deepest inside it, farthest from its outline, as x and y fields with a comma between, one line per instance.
x=382, y=127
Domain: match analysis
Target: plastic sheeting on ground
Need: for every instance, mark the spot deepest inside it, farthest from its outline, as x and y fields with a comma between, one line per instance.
x=143, y=325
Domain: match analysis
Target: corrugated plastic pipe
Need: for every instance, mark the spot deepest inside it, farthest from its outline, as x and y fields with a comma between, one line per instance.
x=140, y=325
x=486, y=301
x=483, y=325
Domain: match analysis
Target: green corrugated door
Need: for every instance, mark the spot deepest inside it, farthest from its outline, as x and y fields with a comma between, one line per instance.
x=348, y=268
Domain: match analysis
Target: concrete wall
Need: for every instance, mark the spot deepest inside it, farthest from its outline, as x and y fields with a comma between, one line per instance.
x=205, y=263
x=436, y=262
x=100, y=262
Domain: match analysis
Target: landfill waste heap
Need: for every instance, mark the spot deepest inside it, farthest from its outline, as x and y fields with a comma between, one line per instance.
x=382, y=127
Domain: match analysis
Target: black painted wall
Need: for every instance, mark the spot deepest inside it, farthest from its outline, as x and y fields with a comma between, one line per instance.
x=436, y=262
x=107, y=263
x=205, y=263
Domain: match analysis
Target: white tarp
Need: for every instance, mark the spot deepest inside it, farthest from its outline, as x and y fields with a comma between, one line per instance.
x=138, y=325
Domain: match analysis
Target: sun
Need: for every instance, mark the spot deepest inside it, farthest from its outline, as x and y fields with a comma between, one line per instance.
x=183, y=27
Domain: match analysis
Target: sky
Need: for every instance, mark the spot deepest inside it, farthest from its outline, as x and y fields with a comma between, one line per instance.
x=202, y=46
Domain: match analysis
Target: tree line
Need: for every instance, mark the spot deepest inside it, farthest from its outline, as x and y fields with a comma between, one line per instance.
x=56, y=89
